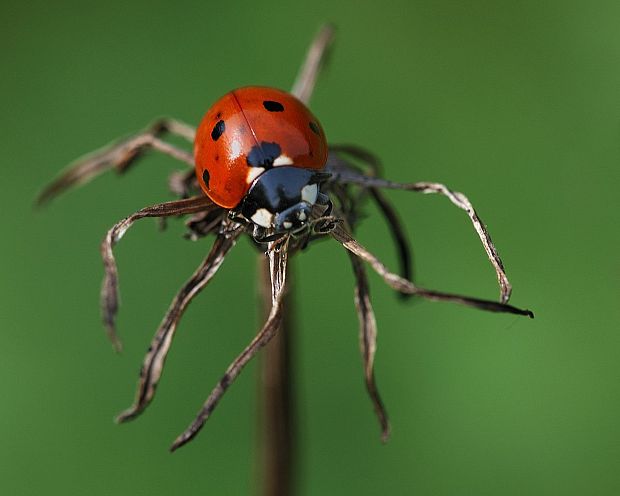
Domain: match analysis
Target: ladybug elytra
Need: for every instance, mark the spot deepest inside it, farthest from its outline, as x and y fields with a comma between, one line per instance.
x=260, y=152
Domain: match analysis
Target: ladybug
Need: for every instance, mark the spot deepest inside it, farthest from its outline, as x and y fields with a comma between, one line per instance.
x=261, y=153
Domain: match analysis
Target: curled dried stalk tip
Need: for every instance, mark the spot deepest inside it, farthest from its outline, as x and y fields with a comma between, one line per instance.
x=385, y=435
x=117, y=344
x=345, y=174
x=400, y=284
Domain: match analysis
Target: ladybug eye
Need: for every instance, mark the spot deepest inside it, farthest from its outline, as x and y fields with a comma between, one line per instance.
x=315, y=128
x=273, y=106
x=218, y=129
x=206, y=177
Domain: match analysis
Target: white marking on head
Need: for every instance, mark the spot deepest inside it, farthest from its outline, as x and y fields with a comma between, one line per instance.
x=309, y=193
x=263, y=218
x=301, y=215
x=283, y=160
x=253, y=173
x=287, y=224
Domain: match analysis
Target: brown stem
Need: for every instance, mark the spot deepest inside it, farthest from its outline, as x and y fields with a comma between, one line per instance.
x=276, y=454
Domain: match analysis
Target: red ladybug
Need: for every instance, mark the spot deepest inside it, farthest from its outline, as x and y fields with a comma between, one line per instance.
x=259, y=152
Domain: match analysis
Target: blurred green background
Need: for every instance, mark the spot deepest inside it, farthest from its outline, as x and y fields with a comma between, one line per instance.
x=515, y=103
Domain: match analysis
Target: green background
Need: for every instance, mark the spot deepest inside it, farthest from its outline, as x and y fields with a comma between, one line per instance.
x=515, y=103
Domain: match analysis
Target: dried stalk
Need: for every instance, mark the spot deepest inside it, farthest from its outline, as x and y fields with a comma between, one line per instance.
x=276, y=429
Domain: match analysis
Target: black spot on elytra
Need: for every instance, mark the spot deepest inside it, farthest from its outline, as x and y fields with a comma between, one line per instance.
x=273, y=106
x=218, y=130
x=263, y=155
x=206, y=177
x=315, y=128
x=218, y=115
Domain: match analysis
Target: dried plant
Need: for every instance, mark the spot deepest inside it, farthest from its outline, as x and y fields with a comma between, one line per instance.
x=353, y=176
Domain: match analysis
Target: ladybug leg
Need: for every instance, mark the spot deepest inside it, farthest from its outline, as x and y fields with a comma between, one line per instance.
x=368, y=340
x=458, y=199
x=153, y=364
x=121, y=156
x=313, y=63
x=323, y=200
x=204, y=223
x=109, y=289
x=259, y=234
x=277, y=265
x=403, y=285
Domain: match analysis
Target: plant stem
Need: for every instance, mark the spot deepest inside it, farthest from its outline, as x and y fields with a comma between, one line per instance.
x=276, y=453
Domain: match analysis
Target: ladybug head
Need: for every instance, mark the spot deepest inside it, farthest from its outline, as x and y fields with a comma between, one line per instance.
x=280, y=199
